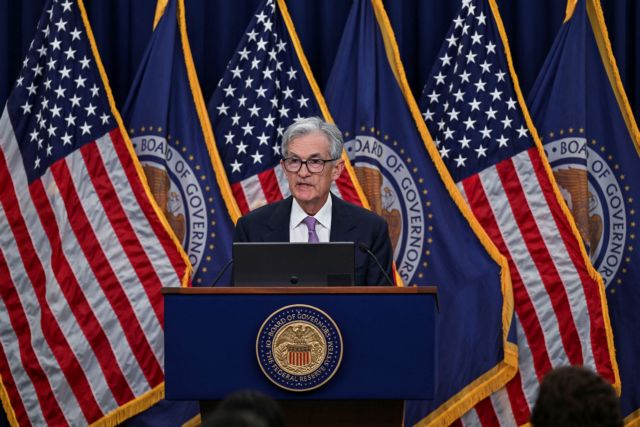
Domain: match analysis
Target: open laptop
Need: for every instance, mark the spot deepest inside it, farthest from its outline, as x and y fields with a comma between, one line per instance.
x=293, y=264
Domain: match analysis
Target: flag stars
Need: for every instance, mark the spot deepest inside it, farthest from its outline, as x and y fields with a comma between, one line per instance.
x=284, y=112
x=433, y=97
x=261, y=92
x=459, y=95
x=506, y=122
x=37, y=70
x=464, y=77
x=237, y=72
x=481, y=151
x=248, y=129
x=511, y=104
x=75, y=101
x=71, y=120
x=292, y=73
x=104, y=118
x=70, y=53
x=264, y=139
x=267, y=74
x=502, y=141
x=476, y=38
x=464, y=142
x=51, y=130
x=248, y=82
x=452, y=40
x=288, y=93
x=491, y=113
x=86, y=128
x=495, y=95
x=26, y=107
x=282, y=46
x=460, y=161
x=55, y=44
x=257, y=157
x=482, y=19
x=66, y=139
x=255, y=63
x=428, y=115
x=90, y=109
x=471, y=57
x=228, y=138
x=486, y=132
x=222, y=109
x=480, y=85
x=470, y=124
x=235, y=166
x=444, y=152
x=244, y=54
x=242, y=100
x=64, y=72
x=229, y=91
x=453, y=114
x=75, y=34
x=66, y=6
x=242, y=147
x=475, y=104
x=61, y=24
x=446, y=59
x=85, y=62
x=303, y=101
x=80, y=82
x=491, y=48
x=486, y=66
x=32, y=89
x=500, y=76
x=254, y=110
x=522, y=131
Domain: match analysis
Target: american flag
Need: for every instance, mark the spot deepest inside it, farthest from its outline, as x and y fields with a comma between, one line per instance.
x=476, y=116
x=83, y=254
x=263, y=90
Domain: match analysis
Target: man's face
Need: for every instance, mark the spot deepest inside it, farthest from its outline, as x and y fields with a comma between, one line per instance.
x=312, y=189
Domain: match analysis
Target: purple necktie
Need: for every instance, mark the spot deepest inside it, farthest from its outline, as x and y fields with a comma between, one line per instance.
x=310, y=222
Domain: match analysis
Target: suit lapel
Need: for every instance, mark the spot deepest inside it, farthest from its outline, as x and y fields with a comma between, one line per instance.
x=278, y=224
x=342, y=224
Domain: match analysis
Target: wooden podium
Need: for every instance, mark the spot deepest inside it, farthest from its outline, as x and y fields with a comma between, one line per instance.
x=387, y=349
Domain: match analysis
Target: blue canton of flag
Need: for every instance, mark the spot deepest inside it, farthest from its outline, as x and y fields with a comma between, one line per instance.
x=83, y=252
x=264, y=89
x=592, y=140
x=174, y=143
x=472, y=106
x=436, y=240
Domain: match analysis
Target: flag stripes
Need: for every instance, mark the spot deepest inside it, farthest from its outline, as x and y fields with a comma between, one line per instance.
x=38, y=217
x=522, y=229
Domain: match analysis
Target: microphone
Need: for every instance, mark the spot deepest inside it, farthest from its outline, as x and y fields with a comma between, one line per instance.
x=226, y=266
x=364, y=248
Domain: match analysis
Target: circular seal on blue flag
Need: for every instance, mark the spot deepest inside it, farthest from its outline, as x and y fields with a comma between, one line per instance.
x=299, y=347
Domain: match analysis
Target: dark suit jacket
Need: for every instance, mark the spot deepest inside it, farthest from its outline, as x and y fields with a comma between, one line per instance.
x=349, y=223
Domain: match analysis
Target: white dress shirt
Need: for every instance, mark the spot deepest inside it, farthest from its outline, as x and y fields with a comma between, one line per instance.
x=298, y=231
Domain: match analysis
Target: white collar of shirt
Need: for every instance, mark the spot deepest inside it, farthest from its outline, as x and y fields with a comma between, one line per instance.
x=298, y=231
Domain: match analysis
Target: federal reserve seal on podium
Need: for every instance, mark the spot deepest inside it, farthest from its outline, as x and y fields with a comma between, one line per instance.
x=299, y=347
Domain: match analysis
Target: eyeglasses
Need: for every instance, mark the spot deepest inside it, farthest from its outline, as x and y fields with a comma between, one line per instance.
x=294, y=164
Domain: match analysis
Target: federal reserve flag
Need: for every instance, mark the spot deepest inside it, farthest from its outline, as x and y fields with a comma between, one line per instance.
x=171, y=133
x=591, y=140
x=84, y=251
x=436, y=241
x=170, y=130
x=475, y=112
x=267, y=85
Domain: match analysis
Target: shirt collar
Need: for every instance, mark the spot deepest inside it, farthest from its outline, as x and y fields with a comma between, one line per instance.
x=323, y=216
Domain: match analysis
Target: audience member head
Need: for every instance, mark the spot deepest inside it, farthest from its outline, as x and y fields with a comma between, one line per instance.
x=234, y=418
x=574, y=396
x=249, y=402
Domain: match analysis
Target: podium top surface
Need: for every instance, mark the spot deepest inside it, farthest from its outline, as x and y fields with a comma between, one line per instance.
x=303, y=290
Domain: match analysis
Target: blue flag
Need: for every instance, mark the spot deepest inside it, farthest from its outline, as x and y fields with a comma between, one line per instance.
x=592, y=142
x=172, y=137
x=436, y=241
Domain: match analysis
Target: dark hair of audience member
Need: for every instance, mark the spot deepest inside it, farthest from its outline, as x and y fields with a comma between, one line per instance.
x=264, y=407
x=573, y=396
x=234, y=418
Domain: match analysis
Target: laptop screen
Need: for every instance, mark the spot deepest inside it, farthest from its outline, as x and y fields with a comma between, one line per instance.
x=293, y=264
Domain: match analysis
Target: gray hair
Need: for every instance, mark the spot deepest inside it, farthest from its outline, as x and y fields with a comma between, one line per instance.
x=310, y=125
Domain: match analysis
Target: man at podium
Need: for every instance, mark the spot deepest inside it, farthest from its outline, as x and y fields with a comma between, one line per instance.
x=312, y=150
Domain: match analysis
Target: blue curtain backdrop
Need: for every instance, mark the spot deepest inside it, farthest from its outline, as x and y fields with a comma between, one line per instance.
x=122, y=29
